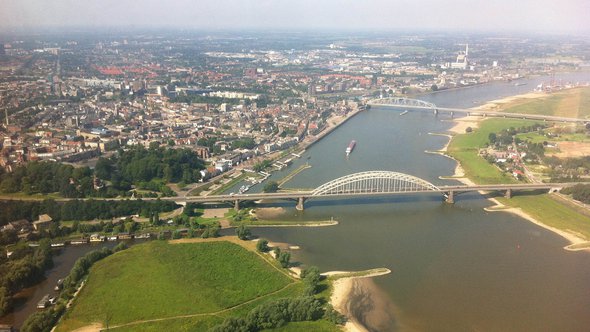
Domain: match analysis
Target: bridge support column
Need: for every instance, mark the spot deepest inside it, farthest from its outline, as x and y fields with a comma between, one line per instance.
x=435, y=111
x=300, y=202
x=451, y=197
x=237, y=205
x=508, y=193
x=452, y=114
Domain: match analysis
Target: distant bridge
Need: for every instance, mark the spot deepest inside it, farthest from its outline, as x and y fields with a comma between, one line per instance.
x=371, y=183
x=415, y=104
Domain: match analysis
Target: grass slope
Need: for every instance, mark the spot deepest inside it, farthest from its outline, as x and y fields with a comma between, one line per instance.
x=158, y=279
x=551, y=212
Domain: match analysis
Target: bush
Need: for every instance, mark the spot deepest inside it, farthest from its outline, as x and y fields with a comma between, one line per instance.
x=274, y=314
x=119, y=247
x=331, y=315
x=243, y=232
x=284, y=259
x=262, y=245
x=271, y=187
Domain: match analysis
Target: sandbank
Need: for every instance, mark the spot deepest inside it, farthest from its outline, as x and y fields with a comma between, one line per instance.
x=343, y=288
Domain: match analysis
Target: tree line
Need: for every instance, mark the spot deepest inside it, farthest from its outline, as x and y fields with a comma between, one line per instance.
x=25, y=268
x=136, y=166
x=81, y=209
x=43, y=321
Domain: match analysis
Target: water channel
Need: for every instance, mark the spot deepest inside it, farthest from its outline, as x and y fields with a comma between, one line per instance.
x=455, y=268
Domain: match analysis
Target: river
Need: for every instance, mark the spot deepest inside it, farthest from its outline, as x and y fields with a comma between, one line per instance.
x=455, y=267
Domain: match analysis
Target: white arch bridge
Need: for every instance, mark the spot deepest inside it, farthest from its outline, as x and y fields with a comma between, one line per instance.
x=374, y=182
x=371, y=183
x=420, y=105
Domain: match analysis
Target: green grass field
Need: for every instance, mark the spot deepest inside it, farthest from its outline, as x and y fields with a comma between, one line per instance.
x=545, y=106
x=570, y=103
x=465, y=149
x=551, y=212
x=158, y=280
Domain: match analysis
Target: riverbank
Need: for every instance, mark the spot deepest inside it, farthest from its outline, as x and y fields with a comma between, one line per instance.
x=353, y=293
x=577, y=241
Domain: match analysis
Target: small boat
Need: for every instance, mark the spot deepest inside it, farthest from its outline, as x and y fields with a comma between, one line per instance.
x=44, y=303
x=59, y=285
x=404, y=113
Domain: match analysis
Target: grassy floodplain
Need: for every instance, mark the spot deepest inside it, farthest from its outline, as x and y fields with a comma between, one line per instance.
x=465, y=147
x=551, y=212
x=573, y=103
x=205, y=282
x=547, y=209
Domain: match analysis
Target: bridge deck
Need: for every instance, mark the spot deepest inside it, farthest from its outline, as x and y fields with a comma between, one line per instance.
x=309, y=194
x=484, y=113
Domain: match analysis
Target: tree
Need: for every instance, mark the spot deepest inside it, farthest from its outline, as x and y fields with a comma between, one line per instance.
x=434, y=87
x=492, y=137
x=271, y=187
x=468, y=129
x=103, y=168
x=5, y=301
x=284, y=258
x=262, y=245
x=334, y=316
x=243, y=232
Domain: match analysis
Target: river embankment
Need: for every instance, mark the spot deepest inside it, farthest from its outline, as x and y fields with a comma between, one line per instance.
x=576, y=241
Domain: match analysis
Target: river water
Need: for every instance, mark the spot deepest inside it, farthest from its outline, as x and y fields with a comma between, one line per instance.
x=455, y=267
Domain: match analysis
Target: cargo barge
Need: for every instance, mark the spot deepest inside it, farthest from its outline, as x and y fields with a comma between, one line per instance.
x=350, y=147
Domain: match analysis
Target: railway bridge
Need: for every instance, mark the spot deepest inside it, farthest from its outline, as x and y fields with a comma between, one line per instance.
x=420, y=105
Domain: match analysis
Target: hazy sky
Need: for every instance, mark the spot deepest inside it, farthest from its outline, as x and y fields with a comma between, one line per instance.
x=561, y=16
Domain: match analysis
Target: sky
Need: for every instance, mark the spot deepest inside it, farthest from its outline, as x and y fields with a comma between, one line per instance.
x=557, y=16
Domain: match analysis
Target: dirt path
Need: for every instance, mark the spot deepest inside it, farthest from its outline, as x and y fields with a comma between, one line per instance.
x=194, y=315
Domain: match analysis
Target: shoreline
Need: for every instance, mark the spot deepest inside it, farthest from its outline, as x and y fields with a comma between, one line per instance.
x=341, y=297
x=576, y=242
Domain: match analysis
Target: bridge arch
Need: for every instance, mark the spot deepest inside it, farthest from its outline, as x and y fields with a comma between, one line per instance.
x=402, y=102
x=374, y=182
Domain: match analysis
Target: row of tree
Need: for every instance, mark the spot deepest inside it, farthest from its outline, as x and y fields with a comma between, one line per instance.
x=26, y=267
x=81, y=209
x=579, y=192
x=274, y=314
x=137, y=166
x=43, y=321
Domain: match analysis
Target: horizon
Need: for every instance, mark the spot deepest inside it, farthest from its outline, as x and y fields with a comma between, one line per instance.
x=503, y=16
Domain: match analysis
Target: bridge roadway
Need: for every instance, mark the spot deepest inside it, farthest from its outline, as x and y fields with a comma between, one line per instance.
x=483, y=113
x=300, y=196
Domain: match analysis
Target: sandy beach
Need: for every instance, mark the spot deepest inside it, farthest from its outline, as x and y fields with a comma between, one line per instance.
x=350, y=293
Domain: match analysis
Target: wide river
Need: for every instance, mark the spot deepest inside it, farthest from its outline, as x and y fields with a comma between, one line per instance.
x=455, y=267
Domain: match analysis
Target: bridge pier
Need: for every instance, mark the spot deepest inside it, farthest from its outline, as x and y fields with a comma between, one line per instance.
x=300, y=202
x=237, y=205
x=508, y=193
x=452, y=114
x=435, y=111
x=451, y=197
